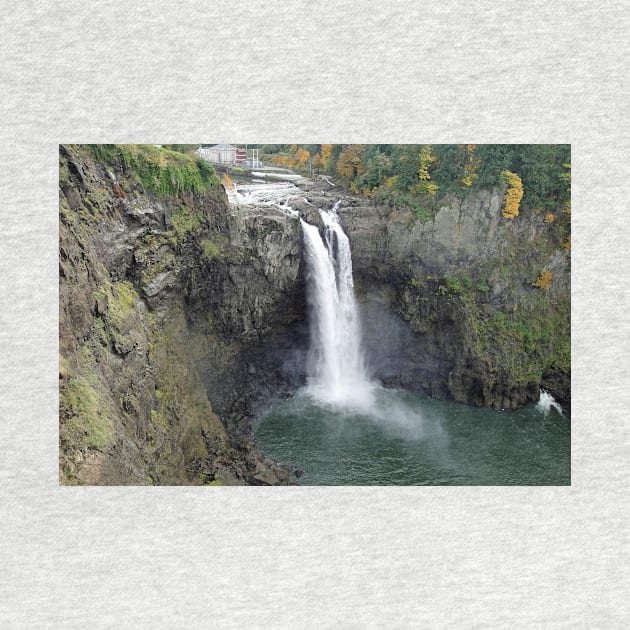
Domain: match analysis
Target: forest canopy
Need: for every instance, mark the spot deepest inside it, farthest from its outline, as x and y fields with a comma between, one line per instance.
x=416, y=175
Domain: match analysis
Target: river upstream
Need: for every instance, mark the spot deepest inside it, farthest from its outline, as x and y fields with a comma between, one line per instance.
x=344, y=428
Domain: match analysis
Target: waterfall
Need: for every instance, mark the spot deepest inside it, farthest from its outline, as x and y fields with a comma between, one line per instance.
x=337, y=373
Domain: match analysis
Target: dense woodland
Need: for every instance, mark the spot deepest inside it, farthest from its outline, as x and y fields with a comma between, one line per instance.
x=418, y=175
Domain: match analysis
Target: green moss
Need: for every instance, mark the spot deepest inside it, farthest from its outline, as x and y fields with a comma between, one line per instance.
x=158, y=417
x=159, y=170
x=120, y=299
x=64, y=174
x=185, y=221
x=64, y=366
x=520, y=345
x=482, y=285
x=461, y=284
x=98, y=196
x=86, y=421
x=210, y=250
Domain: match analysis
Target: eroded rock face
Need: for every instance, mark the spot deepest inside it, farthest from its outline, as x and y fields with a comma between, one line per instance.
x=477, y=331
x=166, y=304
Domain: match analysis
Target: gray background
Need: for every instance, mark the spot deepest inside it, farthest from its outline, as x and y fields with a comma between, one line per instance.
x=333, y=71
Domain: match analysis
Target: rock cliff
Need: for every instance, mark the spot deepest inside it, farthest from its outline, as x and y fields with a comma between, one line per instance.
x=170, y=306
x=479, y=329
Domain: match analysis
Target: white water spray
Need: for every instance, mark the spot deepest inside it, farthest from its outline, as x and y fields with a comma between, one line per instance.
x=337, y=373
x=547, y=402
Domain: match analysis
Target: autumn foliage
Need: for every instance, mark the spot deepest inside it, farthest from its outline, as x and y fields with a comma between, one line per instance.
x=544, y=280
x=349, y=163
x=513, y=194
x=297, y=157
x=471, y=165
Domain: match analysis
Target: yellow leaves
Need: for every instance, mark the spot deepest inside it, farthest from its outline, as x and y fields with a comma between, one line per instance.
x=298, y=157
x=567, y=245
x=283, y=160
x=426, y=159
x=326, y=152
x=301, y=157
x=513, y=194
x=544, y=280
x=550, y=218
x=424, y=186
x=471, y=165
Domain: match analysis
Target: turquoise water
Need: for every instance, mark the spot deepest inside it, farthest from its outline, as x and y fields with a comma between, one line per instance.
x=407, y=439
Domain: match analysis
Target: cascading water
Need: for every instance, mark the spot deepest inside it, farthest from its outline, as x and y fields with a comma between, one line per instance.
x=337, y=373
x=547, y=402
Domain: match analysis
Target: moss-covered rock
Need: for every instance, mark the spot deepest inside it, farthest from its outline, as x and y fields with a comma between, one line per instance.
x=134, y=356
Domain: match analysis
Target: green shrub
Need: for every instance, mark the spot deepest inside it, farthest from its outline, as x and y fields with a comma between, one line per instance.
x=461, y=284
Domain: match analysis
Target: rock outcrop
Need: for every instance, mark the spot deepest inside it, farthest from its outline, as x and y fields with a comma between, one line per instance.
x=479, y=330
x=169, y=308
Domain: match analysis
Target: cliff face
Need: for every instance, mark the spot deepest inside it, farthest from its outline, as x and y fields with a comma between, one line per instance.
x=166, y=304
x=479, y=330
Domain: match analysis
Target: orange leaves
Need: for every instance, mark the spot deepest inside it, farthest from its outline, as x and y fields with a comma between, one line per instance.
x=550, y=218
x=283, y=160
x=544, y=280
x=513, y=194
x=301, y=157
x=298, y=157
x=350, y=163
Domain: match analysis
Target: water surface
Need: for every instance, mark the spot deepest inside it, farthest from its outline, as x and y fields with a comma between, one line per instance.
x=407, y=439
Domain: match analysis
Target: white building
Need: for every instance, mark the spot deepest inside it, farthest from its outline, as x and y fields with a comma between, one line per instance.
x=219, y=154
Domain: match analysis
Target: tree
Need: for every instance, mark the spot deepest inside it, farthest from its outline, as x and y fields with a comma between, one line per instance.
x=301, y=157
x=349, y=164
x=493, y=159
x=377, y=169
x=471, y=165
x=326, y=152
x=424, y=185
